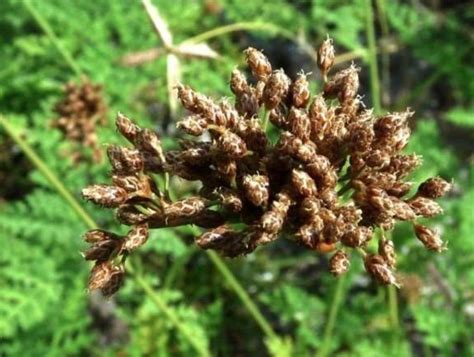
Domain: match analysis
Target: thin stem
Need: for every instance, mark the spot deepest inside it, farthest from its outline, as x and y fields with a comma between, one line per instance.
x=240, y=26
x=242, y=294
x=253, y=26
x=168, y=312
x=234, y=284
x=44, y=25
x=329, y=329
x=372, y=57
x=393, y=306
x=266, y=117
x=385, y=75
x=89, y=221
x=50, y=176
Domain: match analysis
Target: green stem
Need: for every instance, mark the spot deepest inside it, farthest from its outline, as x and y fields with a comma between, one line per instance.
x=44, y=25
x=240, y=26
x=372, y=57
x=266, y=118
x=252, y=26
x=230, y=279
x=168, y=312
x=50, y=176
x=336, y=303
x=89, y=221
x=393, y=306
x=385, y=74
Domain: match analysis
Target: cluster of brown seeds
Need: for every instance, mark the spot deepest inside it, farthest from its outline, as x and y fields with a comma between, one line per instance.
x=79, y=112
x=334, y=174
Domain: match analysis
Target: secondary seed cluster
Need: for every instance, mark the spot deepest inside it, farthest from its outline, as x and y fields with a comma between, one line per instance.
x=80, y=111
x=332, y=174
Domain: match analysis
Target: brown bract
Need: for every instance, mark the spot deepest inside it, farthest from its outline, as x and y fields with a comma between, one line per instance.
x=333, y=177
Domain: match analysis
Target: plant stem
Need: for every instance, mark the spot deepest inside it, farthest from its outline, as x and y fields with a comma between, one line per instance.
x=385, y=74
x=393, y=306
x=253, y=26
x=89, y=221
x=50, y=176
x=328, y=330
x=44, y=25
x=240, y=26
x=167, y=311
x=230, y=279
x=372, y=57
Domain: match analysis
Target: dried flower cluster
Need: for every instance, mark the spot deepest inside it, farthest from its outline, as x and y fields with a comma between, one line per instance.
x=333, y=176
x=80, y=111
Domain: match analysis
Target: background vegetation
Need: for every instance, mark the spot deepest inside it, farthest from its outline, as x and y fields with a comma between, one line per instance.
x=422, y=58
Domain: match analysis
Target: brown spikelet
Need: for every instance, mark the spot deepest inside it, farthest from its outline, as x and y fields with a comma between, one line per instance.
x=339, y=263
x=258, y=63
x=378, y=268
x=300, y=91
x=429, y=237
x=303, y=183
x=238, y=83
x=103, y=250
x=97, y=235
x=387, y=252
x=326, y=55
x=193, y=125
x=136, y=237
x=105, y=195
x=425, y=207
x=276, y=89
x=299, y=124
x=357, y=237
x=114, y=281
x=126, y=127
x=256, y=189
x=231, y=145
x=434, y=187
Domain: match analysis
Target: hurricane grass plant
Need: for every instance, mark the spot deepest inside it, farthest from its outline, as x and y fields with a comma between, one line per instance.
x=332, y=175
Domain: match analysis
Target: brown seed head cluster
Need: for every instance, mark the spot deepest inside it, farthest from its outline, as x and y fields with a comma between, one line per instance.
x=79, y=112
x=334, y=175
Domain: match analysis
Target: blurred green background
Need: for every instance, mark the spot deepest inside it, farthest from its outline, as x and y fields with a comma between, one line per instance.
x=424, y=60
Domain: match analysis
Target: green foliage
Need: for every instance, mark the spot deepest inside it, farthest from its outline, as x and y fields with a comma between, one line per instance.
x=462, y=117
x=43, y=302
x=298, y=311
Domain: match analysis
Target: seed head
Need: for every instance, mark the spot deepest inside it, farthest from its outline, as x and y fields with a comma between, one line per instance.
x=231, y=145
x=136, y=237
x=387, y=252
x=256, y=189
x=429, y=237
x=326, y=55
x=339, y=263
x=434, y=187
x=126, y=127
x=425, y=207
x=238, y=83
x=303, y=183
x=327, y=175
x=276, y=89
x=105, y=195
x=378, y=268
x=357, y=237
x=300, y=91
x=258, y=63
